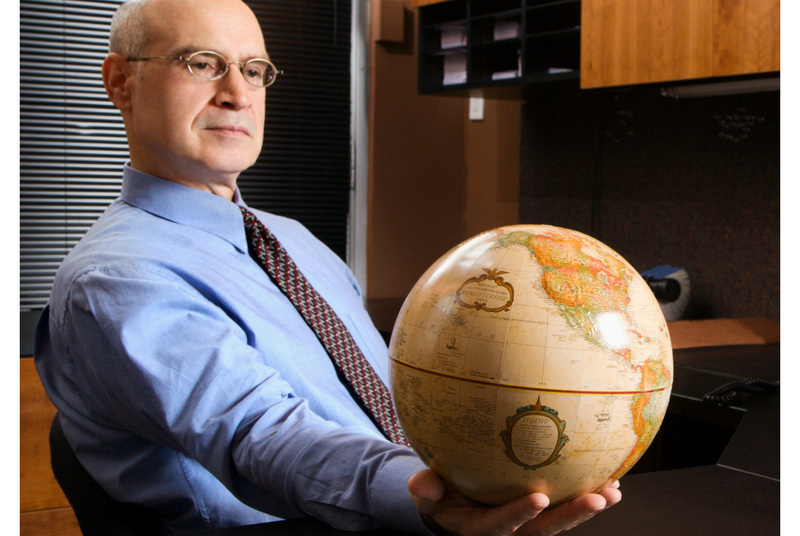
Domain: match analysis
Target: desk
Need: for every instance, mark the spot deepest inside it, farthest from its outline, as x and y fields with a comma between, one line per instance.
x=740, y=494
x=737, y=495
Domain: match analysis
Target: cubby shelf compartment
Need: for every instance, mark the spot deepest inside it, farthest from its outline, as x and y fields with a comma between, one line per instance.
x=475, y=44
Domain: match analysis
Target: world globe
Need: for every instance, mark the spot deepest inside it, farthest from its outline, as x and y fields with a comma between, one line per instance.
x=530, y=358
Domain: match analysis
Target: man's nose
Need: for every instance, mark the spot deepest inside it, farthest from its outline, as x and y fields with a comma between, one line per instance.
x=234, y=92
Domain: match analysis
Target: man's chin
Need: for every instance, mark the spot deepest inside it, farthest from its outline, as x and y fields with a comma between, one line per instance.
x=227, y=167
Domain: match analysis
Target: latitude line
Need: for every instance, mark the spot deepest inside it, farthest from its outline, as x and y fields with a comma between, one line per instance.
x=528, y=388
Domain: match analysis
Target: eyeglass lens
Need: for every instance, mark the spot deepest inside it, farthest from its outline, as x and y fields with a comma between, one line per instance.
x=210, y=66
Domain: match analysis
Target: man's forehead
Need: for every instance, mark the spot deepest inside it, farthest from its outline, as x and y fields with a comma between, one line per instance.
x=228, y=27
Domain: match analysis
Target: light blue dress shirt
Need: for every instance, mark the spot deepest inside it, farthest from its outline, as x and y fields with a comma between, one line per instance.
x=188, y=382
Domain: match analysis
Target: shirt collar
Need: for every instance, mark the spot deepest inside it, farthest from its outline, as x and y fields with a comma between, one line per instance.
x=186, y=206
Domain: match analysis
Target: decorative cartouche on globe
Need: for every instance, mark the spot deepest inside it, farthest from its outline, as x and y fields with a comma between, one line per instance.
x=530, y=358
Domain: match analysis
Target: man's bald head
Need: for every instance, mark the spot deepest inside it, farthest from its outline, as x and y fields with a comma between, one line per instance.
x=127, y=29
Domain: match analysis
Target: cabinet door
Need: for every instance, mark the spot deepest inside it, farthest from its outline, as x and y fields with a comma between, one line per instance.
x=747, y=36
x=641, y=41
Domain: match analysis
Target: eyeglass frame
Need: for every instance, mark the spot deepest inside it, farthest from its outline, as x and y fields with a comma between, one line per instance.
x=227, y=65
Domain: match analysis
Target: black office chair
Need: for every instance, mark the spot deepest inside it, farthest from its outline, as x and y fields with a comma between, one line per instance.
x=98, y=514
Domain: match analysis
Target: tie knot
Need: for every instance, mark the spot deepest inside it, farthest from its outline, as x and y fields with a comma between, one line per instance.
x=249, y=217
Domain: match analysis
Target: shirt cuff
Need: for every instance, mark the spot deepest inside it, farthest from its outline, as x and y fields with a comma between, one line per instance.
x=390, y=498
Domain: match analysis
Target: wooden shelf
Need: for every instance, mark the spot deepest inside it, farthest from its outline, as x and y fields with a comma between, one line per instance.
x=723, y=332
x=496, y=44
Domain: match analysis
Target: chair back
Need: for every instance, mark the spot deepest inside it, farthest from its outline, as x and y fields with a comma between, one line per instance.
x=97, y=513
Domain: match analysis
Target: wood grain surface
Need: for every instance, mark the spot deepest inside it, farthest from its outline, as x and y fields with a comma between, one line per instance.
x=44, y=509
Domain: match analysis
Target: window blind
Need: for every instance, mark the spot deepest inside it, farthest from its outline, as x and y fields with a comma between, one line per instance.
x=72, y=139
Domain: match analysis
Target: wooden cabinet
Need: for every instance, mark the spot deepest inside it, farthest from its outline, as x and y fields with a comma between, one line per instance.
x=643, y=41
x=747, y=37
x=601, y=42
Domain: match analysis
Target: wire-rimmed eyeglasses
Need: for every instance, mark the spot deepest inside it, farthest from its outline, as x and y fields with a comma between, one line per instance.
x=210, y=65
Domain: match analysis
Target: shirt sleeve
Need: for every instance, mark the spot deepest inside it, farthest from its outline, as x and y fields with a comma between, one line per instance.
x=165, y=362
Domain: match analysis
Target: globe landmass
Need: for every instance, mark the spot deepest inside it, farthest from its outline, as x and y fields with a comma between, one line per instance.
x=530, y=358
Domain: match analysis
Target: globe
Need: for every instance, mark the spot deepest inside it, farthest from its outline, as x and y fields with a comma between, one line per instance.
x=530, y=358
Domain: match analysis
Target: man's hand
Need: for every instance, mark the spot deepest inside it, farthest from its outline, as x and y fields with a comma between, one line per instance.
x=447, y=512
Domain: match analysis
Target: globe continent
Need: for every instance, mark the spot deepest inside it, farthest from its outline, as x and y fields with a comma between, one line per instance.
x=530, y=358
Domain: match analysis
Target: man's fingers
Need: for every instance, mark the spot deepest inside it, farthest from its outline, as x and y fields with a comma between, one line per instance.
x=426, y=488
x=509, y=517
x=612, y=494
x=573, y=513
x=448, y=512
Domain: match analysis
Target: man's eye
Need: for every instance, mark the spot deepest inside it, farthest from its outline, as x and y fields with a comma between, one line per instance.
x=200, y=65
x=253, y=73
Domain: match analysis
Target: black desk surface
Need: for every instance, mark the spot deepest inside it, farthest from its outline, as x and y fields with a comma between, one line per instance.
x=739, y=495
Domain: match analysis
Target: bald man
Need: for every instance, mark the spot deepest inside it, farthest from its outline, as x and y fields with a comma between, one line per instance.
x=186, y=380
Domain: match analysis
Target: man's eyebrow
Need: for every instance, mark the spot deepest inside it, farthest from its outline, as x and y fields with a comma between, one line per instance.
x=185, y=51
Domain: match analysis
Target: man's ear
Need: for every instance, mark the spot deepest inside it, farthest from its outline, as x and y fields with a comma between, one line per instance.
x=117, y=79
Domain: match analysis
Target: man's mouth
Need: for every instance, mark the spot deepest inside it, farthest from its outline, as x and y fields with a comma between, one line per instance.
x=230, y=130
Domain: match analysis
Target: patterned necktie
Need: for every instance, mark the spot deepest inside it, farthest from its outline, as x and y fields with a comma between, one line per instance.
x=352, y=367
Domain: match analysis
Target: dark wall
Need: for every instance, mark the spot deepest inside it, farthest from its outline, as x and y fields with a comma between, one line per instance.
x=693, y=183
